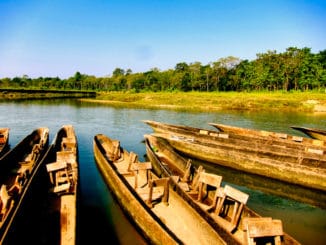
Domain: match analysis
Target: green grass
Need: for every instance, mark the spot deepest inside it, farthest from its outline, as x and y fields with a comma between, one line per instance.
x=216, y=101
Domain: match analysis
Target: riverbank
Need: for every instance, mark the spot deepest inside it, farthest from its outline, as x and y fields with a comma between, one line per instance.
x=23, y=94
x=216, y=101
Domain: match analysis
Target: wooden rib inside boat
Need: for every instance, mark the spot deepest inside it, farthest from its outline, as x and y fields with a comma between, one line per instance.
x=224, y=207
x=161, y=215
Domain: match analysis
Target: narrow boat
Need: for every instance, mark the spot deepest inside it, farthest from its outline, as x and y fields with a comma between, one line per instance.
x=305, y=168
x=315, y=133
x=48, y=212
x=159, y=213
x=17, y=168
x=272, y=137
x=223, y=207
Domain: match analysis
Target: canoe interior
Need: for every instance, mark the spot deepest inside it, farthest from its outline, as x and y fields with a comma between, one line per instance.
x=169, y=163
x=305, y=167
x=159, y=223
x=39, y=216
x=17, y=170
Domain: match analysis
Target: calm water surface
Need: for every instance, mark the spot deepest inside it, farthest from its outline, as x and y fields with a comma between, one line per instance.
x=101, y=219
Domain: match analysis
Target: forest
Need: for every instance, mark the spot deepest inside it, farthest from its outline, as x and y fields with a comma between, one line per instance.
x=294, y=69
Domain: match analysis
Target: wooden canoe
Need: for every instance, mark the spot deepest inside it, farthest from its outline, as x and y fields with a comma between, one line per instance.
x=314, y=133
x=168, y=163
x=287, y=140
x=4, y=140
x=305, y=168
x=17, y=168
x=161, y=215
x=298, y=193
x=50, y=205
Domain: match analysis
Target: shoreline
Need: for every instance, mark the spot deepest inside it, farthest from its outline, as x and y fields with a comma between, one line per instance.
x=308, y=102
x=214, y=102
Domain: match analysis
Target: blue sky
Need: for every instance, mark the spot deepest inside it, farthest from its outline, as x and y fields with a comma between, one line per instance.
x=60, y=37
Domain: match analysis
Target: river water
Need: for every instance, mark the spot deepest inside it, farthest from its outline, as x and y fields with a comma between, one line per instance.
x=101, y=219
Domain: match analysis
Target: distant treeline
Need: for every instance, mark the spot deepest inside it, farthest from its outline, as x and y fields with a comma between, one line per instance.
x=294, y=69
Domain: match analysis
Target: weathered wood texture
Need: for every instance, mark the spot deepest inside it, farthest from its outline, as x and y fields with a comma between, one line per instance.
x=223, y=207
x=167, y=220
x=294, y=166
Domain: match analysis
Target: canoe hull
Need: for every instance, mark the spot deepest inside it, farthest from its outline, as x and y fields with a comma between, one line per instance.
x=312, y=132
x=139, y=214
x=166, y=221
x=307, y=169
x=240, y=161
x=42, y=210
x=170, y=163
x=11, y=161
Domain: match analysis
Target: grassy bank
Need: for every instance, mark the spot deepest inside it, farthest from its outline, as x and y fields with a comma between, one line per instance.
x=216, y=101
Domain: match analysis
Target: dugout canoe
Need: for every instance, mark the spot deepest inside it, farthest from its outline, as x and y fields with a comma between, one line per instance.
x=50, y=206
x=298, y=193
x=188, y=181
x=286, y=140
x=314, y=133
x=17, y=168
x=298, y=167
x=161, y=215
x=4, y=140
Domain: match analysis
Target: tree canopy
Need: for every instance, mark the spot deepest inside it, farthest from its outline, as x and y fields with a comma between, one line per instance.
x=294, y=69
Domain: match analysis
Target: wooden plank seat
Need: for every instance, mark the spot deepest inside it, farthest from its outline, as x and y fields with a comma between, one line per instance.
x=187, y=174
x=142, y=173
x=150, y=190
x=36, y=149
x=157, y=189
x=25, y=168
x=195, y=181
x=187, y=182
x=52, y=168
x=66, y=156
x=16, y=187
x=133, y=157
x=114, y=151
x=263, y=229
x=230, y=206
x=209, y=181
x=60, y=176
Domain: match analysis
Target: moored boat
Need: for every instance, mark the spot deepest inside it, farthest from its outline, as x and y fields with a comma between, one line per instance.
x=284, y=139
x=48, y=213
x=315, y=133
x=4, y=140
x=160, y=214
x=186, y=179
x=17, y=168
x=305, y=168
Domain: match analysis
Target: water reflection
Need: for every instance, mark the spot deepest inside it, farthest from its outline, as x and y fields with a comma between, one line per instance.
x=102, y=220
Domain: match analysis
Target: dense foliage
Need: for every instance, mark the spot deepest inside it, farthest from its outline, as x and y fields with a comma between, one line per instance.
x=294, y=69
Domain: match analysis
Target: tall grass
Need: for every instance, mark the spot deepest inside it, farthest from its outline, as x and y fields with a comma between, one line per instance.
x=214, y=101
